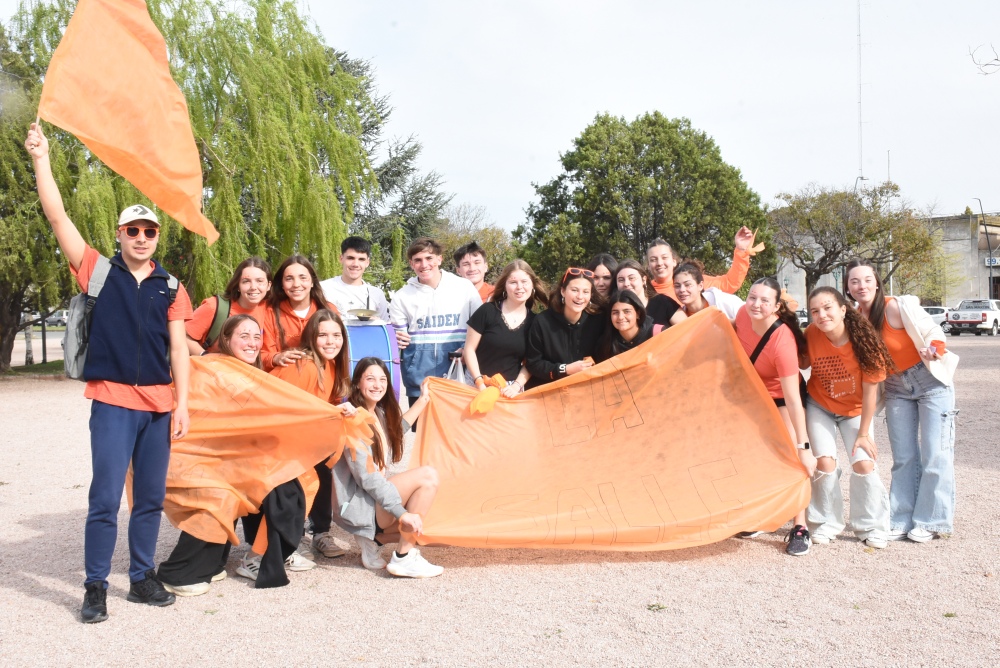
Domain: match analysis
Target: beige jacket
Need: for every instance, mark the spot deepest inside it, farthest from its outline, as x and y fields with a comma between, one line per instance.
x=922, y=330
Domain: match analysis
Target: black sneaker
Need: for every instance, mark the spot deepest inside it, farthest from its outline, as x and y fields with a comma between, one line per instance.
x=95, y=604
x=749, y=534
x=150, y=592
x=798, y=541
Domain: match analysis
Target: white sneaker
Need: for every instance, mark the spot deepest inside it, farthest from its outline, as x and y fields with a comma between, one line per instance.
x=820, y=539
x=371, y=553
x=218, y=577
x=326, y=545
x=876, y=542
x=918, y=535
x=895, y=535
x=196, y=589
x=297, y=563
x=413, y=566
x=249, y=566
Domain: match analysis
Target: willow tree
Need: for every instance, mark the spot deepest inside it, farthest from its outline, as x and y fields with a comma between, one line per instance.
x=276, y=120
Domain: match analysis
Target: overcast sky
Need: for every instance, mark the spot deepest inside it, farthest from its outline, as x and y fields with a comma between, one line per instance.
x=495, y=91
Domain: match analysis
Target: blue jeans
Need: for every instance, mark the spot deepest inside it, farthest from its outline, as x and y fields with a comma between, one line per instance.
x=869, y=500
x=119, y=437
x=920, y=413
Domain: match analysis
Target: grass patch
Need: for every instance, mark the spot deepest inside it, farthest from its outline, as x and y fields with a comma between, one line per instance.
x=54, y=368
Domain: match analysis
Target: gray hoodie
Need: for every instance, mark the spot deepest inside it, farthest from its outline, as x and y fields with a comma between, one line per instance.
x=356, y=491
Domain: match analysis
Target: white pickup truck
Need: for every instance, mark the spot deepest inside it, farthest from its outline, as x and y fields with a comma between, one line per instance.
x=977, y=316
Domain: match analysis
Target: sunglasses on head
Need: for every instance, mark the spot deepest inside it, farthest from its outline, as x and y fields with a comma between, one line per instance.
x=149, y=232
x=576, y=272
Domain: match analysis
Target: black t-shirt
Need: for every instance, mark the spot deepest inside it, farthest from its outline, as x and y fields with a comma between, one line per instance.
x=501, y=349
x=661, y=309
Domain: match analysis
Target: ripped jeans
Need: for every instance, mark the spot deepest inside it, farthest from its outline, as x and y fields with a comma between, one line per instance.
x=920, y=413
x=869, y=499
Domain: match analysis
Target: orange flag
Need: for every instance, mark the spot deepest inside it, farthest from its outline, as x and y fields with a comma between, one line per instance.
x=249, y=433
x=109, y=84
x=673, y=444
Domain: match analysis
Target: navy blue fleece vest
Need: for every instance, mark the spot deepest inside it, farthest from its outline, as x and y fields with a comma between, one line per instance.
x=129, y=341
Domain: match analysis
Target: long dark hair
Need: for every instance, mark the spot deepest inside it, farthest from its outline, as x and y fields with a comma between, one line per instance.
x=341, y=384
x=606, y=260
x=228, y=327
x=232, y=290
x=785, y=314
x=648, y=288
x=500, y=287
x=278, y=295
x=871, y=353
x=386, y=410
x=613, y=342
x=877, y=314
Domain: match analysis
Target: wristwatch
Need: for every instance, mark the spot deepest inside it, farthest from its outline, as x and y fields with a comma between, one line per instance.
x=803, y=446
x=562, y=369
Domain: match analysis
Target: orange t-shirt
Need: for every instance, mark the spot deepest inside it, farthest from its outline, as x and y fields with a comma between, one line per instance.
x=731, y=282
x=304, y=375
x=292, y=325
x=201, y=321
x=485, y=291
x=904, y=354
x=153, y=398
x=779, y=359
x=836, y=380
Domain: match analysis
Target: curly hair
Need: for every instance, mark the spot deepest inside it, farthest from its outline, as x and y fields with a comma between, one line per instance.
x=873, y=357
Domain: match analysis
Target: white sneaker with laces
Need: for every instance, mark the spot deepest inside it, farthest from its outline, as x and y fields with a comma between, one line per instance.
x=196, y=589
x=877, y=543
x=326, y=545
x=249, y=566
x=371, y=553
x=297, y=563
x=918, y=535
x=413, y=566
x=895, y=535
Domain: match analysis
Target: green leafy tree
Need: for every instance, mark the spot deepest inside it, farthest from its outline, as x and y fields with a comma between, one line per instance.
x=627, y=183
x=820, y=230
x=277, y=121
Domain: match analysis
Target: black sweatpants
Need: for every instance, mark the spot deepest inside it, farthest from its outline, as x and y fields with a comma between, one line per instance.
x=193, y=560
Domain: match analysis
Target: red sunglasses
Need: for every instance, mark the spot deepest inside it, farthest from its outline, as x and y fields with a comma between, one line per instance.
x=576, y=272
x=148, y=232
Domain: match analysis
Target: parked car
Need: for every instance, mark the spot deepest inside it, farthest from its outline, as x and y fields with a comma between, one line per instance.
x=803, y=316
x=939, y=314
x=58, y=318
x=976, y=316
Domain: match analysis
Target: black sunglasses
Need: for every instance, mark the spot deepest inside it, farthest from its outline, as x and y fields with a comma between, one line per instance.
x=149, y=232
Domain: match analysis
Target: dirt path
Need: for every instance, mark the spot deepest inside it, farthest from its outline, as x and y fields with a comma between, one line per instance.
x=733, y=603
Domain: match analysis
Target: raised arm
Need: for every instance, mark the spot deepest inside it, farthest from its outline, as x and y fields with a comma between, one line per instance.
x=733, y=280
x=70, y=242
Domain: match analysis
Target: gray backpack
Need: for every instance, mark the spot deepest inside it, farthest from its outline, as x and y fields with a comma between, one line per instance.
x=81, y=309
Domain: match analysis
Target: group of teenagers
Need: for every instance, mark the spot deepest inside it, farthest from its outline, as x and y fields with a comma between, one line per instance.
x=864, y=348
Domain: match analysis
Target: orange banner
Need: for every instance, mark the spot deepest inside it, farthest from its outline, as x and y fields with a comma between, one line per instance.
x=109, y=84
x=249, y=433
x=671, y=445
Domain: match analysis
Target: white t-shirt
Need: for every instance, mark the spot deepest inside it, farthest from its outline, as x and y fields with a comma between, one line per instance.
x=347, y=297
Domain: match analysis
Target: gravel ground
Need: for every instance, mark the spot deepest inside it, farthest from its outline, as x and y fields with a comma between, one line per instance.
x=739, y=602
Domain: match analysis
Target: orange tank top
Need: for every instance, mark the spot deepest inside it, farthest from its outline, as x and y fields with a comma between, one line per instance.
x=900, y=346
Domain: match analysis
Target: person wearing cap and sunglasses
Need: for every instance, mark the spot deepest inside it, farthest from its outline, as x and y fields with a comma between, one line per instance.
x=563, y=339
x=137, y=347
